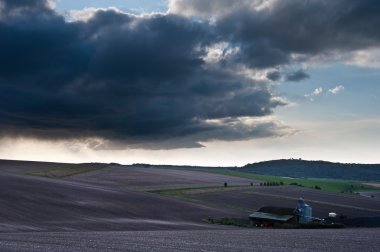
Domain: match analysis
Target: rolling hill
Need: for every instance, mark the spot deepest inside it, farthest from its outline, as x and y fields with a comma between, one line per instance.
x=297, y=168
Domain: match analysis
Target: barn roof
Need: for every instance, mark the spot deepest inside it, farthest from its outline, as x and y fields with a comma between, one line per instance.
x=273, y=213
x=268, y=216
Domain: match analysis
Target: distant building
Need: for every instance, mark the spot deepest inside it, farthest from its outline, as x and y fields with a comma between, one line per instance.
x=268, y=216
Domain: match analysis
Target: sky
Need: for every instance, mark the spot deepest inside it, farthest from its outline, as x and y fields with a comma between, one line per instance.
x=218, y=82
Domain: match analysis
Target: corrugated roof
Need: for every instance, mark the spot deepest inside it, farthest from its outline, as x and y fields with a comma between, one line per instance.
x=277, y=210
x=268, y=216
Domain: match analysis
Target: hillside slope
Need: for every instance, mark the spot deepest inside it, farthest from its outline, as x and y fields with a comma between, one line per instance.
x=31, y=203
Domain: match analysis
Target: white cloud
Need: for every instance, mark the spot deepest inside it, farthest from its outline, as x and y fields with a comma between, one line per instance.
x=215, y=8
x=336, y=89
x=87, y=13
x=316, y=92
x=365, y=58
x=52, y=4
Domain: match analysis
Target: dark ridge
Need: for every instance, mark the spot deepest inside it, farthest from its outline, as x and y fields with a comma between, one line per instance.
x=298, y=168
x=295, y=168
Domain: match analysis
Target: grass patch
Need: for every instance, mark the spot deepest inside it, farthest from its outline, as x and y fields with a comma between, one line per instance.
x=238, y=222
x=65, y=170
x=181, y=192
x=342, y=186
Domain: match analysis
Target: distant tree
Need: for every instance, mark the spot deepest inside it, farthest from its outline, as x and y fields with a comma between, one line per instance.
x=251, y=183
x=317, y=187
x=281, y=183
x=225, y=184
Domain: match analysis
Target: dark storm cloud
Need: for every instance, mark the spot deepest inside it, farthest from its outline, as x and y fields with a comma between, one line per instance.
x=24, y=4
x=289, y=31
x=146, y=81
x=20, y=7
x=137, y=81
x=274, y=76
x=298, y=75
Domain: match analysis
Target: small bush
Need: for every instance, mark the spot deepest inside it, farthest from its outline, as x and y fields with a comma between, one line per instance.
x=296, y=184
x=245, y=222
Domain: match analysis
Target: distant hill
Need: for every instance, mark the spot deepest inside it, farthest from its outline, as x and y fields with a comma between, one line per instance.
x=297, y=168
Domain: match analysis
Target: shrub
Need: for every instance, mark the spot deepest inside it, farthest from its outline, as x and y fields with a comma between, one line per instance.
x=240, y=222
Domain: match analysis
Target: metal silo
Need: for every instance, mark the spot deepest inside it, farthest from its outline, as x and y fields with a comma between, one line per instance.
x=303, y=212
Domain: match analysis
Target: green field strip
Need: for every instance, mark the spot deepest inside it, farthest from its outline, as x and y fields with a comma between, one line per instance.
x=197, y=190
x=324, y=184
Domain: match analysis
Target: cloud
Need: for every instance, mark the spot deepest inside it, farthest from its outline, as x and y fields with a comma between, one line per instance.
x=274, y=76
x=164, y=80
x=226, y=129
x=318, y=91
x=336, y=89
x=19, y=7
x=88, y=13
x=277, y=33
x=365, y=58
x=130, y=81
x=297, y=76
x=214, y=8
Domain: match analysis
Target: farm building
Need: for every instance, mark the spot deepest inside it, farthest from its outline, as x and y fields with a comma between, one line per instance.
x=268, y=216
